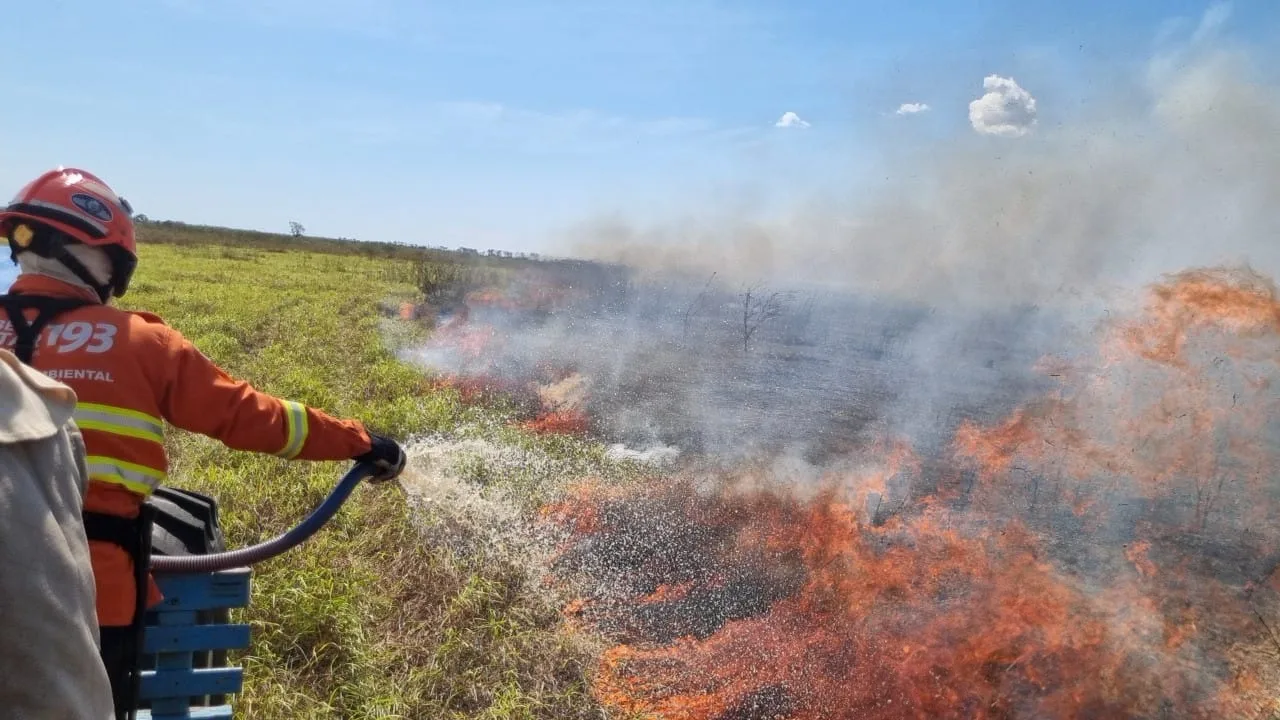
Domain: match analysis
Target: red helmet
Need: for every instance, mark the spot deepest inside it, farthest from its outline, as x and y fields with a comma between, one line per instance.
x=68, y=205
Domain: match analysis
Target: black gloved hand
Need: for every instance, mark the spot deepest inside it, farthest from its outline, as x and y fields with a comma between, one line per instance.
x=386, y=457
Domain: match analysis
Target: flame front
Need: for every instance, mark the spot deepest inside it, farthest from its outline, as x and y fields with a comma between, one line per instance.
x=1107, y=551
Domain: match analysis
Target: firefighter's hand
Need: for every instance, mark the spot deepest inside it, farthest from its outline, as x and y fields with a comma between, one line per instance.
x=386, y=457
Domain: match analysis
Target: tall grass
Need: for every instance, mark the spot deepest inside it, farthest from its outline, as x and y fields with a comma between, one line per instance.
x=365, y=620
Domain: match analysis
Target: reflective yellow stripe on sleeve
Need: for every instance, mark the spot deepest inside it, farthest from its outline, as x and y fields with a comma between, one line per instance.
x=134, y=477
x=296, y=436
x=119, y=421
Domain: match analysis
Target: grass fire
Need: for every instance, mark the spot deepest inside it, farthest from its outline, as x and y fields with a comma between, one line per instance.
x=1002, y=448
x=1094, y=538
x=750, y=360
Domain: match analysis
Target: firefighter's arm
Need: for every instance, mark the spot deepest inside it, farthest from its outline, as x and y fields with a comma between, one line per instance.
x=198, y=396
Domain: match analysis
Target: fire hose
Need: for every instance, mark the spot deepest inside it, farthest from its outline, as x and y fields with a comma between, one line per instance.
x=268, y=549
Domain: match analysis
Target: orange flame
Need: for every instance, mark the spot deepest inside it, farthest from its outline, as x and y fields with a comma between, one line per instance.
x=567, y=422
x=1109, y=550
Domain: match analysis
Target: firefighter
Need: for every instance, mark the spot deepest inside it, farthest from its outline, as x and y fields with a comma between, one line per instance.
x=73, y=238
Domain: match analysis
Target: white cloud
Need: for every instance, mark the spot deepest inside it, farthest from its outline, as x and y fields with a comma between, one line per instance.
x=791, y=120
x=912, y=108
x=1006, y=108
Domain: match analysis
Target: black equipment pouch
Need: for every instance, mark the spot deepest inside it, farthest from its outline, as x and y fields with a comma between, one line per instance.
x=122, y=645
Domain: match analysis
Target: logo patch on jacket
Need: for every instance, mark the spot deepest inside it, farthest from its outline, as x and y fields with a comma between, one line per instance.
x=92, y=205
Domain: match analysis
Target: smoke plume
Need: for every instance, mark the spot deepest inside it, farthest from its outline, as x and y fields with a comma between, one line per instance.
x=996, y=447
x=1185, y=174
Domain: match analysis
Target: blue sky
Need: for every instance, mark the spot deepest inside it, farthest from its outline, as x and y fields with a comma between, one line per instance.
x=500, y=123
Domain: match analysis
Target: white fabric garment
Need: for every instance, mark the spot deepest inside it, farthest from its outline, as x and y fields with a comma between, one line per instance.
x=49, y=662
x=94, y=259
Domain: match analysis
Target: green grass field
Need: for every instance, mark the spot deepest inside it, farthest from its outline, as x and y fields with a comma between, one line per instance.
x=369, y=619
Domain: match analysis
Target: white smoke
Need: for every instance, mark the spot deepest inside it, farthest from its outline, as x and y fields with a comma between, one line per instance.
x=1185, y=172
x=660, y=456
x=966, y=261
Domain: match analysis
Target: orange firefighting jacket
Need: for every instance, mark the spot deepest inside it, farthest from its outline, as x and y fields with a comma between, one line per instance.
x=130, y=372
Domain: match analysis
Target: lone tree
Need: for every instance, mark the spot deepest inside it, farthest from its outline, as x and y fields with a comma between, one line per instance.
x=759, y=306
x=296, y=229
